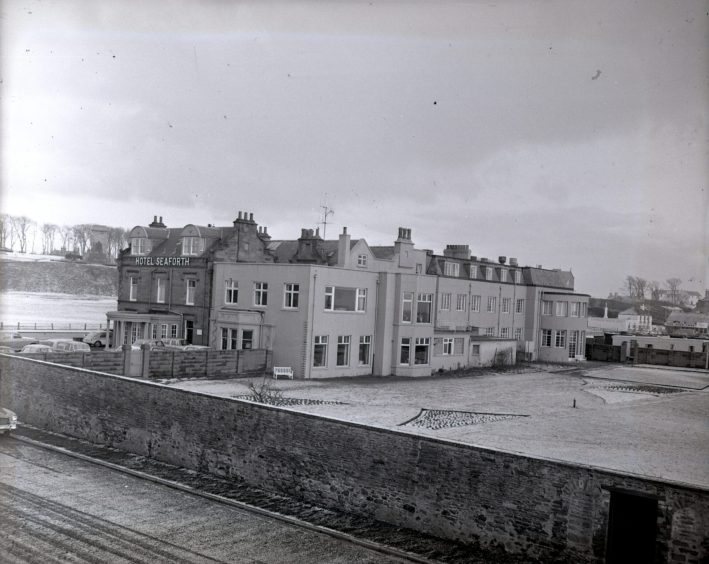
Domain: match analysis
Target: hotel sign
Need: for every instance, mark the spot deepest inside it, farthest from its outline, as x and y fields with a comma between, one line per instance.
x=162, y=261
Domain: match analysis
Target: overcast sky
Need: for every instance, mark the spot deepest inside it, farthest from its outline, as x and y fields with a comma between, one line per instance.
x=571, y=134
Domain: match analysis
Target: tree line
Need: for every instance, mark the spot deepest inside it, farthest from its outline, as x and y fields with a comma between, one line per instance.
x=640, y=288
x=22, y=234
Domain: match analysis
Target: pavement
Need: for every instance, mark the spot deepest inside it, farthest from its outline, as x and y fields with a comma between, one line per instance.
x=632, y=419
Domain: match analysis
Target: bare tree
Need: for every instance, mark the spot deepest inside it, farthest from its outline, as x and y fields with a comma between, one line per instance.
x=49, y=231
x=66, y=236
x=640, y=287
x=655, y=290
x=630, y=285
x=82, y=237
x=20, y=228
x=6, y=231
x=117, y=240
x=673, y=285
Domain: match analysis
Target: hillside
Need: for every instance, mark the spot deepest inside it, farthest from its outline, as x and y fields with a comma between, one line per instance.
x=58, y=277
x=659, y=310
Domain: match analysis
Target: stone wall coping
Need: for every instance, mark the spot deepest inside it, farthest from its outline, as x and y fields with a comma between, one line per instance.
x=469, y=446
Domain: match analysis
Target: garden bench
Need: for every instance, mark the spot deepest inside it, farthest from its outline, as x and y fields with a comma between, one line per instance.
x=279, y=371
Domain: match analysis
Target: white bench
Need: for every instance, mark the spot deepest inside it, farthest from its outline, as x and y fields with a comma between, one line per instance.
x=279, y=371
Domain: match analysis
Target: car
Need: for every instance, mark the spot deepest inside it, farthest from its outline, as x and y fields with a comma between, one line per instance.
x=195, y=348
x=36, y=349
x=174, y=343
x=151, y=343
x=15, y=341
x=8, y=420
x=67, y=345
x=97, y=338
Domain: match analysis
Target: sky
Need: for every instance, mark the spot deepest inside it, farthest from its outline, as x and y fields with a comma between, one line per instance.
x=568, y=134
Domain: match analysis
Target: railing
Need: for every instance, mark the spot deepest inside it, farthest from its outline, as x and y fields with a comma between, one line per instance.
x=51, y=326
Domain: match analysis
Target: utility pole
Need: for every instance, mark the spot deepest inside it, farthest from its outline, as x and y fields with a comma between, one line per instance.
x=327, y=211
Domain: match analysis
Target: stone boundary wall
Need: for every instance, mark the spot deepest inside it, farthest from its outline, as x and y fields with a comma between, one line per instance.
x=542, y=509
x=156, y=364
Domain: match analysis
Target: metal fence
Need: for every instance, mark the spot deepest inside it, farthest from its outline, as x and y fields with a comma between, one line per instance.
x=51, y=326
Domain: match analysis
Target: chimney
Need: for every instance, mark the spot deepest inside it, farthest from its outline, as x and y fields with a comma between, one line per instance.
x=457, y=251
x=404, y=248
x=251, y=217
x=513, y=261
x=343, y=248
x=239, y=216
x=502, y=260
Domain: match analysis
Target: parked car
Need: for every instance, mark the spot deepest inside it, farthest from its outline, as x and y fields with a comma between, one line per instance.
x=15, y=341
x=8, y=420
x=67, y=345
x=174, y=343
x=195, y=348
x=97, y=338
x=152, y=344
x=36, y=349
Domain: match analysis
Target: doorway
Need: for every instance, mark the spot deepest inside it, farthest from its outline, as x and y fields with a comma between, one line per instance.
x=189, y=331
x=632, y=529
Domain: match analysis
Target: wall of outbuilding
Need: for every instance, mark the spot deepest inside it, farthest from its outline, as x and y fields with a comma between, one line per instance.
x=546, y=510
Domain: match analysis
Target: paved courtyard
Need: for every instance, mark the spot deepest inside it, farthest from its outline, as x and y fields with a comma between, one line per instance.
x=642, y=420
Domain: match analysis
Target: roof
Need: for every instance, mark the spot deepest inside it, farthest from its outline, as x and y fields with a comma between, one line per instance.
x=686, y=318
x=549, y=278
x=383, y=252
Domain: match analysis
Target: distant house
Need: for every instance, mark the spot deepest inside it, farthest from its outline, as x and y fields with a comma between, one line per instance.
x=636, y=321
x=681, y=324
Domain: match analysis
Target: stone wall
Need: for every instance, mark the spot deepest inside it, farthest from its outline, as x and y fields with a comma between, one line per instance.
x=542, y=509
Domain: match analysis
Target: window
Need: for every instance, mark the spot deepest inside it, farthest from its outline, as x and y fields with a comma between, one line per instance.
x=247, y=339
x=261, y=294
x=476, y=350
x=190, y=291
x=562, y=309
x=320, y=351
x=473, y=271
x=575, y=309
x=546, y=337
x=445, y=301
x=518, y=333
x=489, y=331
x=519, y=306
x=173, y=330
x=458, y=345
x=475, y=303
x=423, y=308
x=361, y=299
x=506, y=305
x=139, y=246
x=503, y=275
x=584, y=309
x=192, y=246
x=518, y=276
x=405, y=354
x=573, y=343
x=365, y=348
x=560, y=339
x=160, y=290
x=231, y=292
x=343, y=350
x=362, y=261
x=451, y=268
x=136, y=332
x=447, y=346
x=290, y=296
x=345, y=299
x=419, y=268
x=132, y=288
x=421, y=350
x=491, y=304
x=461, y=302
x=547, y=307
x=407, y=305
x=229, y=339
x=505, y=332
x=488, y=273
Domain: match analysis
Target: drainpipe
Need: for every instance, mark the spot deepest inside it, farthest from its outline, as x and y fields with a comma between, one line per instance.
x=309, y=344
x=376, y=316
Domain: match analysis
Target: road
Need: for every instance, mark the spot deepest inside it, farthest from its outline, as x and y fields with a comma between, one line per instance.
x=55, y=508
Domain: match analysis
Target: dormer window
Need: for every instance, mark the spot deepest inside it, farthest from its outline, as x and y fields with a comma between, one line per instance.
x=192, y=246
x=451, y=269
x=139, y=246
x=362, y=261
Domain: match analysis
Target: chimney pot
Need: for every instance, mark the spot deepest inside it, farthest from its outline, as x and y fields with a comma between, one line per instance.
x=251, y=217
x=155, y=219
x=344, y=230
x=239, y=215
